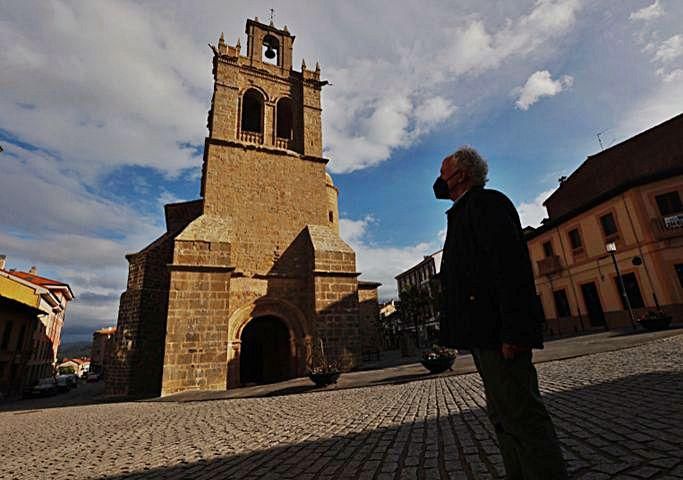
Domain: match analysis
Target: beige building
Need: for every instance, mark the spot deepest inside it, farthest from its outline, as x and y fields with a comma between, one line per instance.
x=628, y=195
x=102, y=347
x=249, y=278
x=80, y=366
x=32, y=310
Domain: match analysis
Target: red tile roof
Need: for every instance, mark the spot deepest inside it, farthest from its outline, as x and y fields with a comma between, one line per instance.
x=106, y=330
x=38, y=280
x=42, y=281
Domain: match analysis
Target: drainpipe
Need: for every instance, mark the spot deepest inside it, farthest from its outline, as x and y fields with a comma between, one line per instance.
x=571, y=280
x=640, y=251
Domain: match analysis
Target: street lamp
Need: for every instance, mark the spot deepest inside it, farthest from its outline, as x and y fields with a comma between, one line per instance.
x=611, y=248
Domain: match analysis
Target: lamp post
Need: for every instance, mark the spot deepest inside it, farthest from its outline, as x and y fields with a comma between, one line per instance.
x=612, y=249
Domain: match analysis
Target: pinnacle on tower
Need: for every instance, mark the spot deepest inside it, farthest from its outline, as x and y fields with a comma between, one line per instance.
x=303, y=64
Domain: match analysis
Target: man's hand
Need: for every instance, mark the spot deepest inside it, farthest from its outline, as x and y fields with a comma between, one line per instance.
x=509, y=351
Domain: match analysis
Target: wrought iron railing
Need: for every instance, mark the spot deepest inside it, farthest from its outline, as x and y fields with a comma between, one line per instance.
x=549, y=265
x=668, y=227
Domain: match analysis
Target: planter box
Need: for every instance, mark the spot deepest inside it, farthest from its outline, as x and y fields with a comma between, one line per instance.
x=655, y=323
x=438, y=365
x=324, y=379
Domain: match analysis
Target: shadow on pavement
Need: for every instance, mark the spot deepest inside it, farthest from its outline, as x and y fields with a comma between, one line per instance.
x=608, y=430
x=84, y=394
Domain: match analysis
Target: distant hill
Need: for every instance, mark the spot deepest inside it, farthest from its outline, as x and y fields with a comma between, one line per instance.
x=74, y=349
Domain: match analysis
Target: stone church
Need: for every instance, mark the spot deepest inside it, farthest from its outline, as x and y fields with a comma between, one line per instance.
x=248, y=279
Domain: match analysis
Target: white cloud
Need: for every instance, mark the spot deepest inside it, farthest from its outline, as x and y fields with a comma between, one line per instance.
x=384, y=103
x=672, y=76
x=352, y=231
x=433, y=111
x=670, y=49
x=648, y=13
x=660, y=103
x=540, y=84
x=475, y=50
x=102, y=84
x=381, y=263
x=531, y=213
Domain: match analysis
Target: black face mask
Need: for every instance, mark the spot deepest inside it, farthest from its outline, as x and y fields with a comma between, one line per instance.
x=441, y=190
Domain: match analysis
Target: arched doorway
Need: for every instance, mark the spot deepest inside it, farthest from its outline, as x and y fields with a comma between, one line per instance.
x=265, y=353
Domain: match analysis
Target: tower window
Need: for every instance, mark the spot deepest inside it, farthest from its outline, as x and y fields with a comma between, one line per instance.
x=270, y=50
x=252, y=112
x=284, y=118
x=331, y=216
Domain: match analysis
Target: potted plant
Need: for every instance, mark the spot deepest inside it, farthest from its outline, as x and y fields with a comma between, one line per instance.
x=655, y=320
x=438, y=359
x=325, y=373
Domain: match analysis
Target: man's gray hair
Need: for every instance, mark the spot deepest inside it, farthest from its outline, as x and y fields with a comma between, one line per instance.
x=476, y=167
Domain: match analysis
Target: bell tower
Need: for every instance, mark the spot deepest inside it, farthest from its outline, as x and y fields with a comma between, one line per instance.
x=252, y=277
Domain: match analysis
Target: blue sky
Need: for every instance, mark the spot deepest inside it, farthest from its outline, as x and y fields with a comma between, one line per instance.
x=103, y=114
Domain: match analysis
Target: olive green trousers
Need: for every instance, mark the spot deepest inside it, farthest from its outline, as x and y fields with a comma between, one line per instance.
x=526, y=436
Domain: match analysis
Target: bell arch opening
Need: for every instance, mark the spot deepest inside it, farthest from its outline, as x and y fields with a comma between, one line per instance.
x=266, y=351
x=285, y=119
x=252, y=111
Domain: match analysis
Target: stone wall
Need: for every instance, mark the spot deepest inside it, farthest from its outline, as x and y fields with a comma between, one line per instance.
x=136, y=362
x=196, y=346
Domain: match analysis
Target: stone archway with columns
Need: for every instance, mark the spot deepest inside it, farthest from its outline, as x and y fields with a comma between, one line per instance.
x=300, y=335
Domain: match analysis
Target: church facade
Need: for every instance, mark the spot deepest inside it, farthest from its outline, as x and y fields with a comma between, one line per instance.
x=251, y=282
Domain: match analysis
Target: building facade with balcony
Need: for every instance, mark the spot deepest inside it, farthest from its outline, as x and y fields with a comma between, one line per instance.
x=32, y=312
x=421, y=276
x=629, y=195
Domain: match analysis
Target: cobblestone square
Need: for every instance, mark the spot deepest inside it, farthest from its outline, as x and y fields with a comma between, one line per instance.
x=618, y=414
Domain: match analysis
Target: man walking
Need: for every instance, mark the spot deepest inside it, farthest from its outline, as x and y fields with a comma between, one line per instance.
x=490, y=307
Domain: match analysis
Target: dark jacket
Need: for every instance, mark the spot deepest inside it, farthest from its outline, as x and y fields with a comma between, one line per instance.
x=489, y=296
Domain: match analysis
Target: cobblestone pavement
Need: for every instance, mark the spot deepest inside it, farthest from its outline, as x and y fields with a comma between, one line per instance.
x=618, y=415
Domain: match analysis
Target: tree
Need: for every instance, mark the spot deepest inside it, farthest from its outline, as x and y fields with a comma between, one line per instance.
x=413, y=303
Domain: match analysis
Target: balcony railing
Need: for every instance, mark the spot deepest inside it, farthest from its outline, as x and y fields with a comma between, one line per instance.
x=283, y=143
x=251, y=137
x=549, y=265
x=668, y=227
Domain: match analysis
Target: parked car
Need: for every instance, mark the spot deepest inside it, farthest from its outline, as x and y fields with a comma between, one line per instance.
x=66, y=382
x=43, y=387
x=93, y=377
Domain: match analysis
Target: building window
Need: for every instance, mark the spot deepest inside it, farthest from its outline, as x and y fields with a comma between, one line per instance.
x=6, y=336
x=609, y=226
x=252, y=112
x=285, y=118
x=548, y=249
x=331, y=216
x=575, y=239
x=632, y=290
x=679, y=272
x=669, y=203
x=562, y=303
